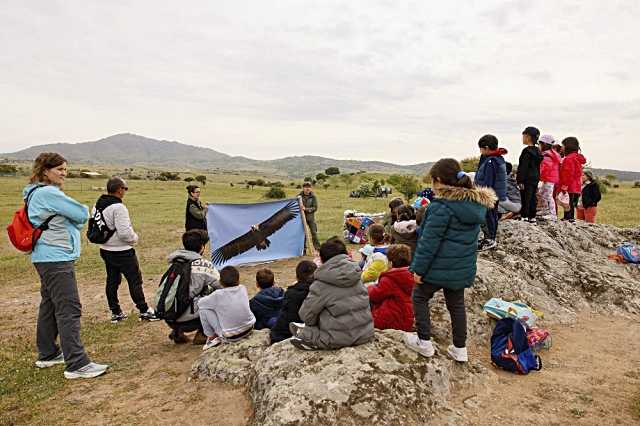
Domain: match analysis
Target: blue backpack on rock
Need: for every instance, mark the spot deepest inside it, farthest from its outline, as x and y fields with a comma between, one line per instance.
x=510, y=348
x=629, y=252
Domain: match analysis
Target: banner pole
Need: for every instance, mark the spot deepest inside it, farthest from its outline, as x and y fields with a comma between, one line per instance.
x=309, y=250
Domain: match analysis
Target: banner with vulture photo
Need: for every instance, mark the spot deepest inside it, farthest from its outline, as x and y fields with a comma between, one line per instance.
x=250, y=233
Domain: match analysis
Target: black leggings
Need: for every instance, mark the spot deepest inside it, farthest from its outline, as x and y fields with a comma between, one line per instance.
x=422, y=294
x=529, y=201
x=573, y=203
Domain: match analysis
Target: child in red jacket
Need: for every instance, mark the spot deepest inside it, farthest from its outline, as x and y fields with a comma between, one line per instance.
x=571, y=174
x=391, y=305
x=549, y=178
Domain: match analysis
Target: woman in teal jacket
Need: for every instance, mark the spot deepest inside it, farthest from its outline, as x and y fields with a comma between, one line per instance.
x=446, y=254
x=53, y=257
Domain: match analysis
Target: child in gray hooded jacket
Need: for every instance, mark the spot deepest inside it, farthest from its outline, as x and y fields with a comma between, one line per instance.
x=336, y=313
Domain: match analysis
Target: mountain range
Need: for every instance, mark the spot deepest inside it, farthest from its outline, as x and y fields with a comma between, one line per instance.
x=128, y=150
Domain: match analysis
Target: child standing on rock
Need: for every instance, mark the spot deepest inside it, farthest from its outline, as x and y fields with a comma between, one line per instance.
x=571, y=174
x=446, y=254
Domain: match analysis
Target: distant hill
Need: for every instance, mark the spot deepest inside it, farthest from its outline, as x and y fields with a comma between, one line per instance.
x=130, y=149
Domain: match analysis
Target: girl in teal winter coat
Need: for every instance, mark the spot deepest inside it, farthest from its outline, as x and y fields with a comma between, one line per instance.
x=446, y=254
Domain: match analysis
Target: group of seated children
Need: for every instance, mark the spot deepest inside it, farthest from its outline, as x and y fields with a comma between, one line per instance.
x=329, y=307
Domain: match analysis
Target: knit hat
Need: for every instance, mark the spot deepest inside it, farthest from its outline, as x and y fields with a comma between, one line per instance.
x=589, y=174
x=548, y=139
x=533, y=132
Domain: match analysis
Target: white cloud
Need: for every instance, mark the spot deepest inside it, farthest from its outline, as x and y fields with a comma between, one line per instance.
x=393, y=81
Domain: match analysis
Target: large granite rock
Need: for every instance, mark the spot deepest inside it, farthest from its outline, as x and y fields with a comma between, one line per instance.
x=558, y=268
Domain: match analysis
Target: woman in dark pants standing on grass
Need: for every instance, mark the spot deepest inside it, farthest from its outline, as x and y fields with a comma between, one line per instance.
x=196, y=213
x=54, y=256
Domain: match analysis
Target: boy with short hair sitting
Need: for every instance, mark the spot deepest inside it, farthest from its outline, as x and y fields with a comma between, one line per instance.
x=204, y=280
x=336, y=312
x=293, y=298
x=376, y=253
x=266, y=304
x=225, y=314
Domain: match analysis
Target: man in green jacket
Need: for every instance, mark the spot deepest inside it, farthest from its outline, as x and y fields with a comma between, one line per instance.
x=310, y=206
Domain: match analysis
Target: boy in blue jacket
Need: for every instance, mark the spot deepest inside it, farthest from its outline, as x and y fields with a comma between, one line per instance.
x=266, y=304
x=491, y=173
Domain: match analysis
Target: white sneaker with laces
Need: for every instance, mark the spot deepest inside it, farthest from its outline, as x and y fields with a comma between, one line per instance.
x=51, y=362
x=295, y=328
x=212, y=342
x=458, y=354
x=87, y=372
x=423, y=347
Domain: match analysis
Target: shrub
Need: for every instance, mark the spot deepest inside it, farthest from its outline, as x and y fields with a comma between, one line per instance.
x=8, y=169
x=202, y=179
x=321, y=176
x=188, y=179
x=470, y=164
x=326, y=186
x=407, y=185
x=308, y=178
x=164, y=176
x=275, y=193
x=332, y=171
x=260, y=182
x=636, y=184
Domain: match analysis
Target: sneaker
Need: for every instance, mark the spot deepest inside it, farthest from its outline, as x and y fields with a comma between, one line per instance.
x=116, y=318
x=51, y=362
x=295, y=328
x=150, y=315
x=87, y=372
x=458, y=354
x=487, y=245
x=533, y=221
x=179, y=337
x=423, y=347
x=199, y=338
x=301, y=344
x=212, y=342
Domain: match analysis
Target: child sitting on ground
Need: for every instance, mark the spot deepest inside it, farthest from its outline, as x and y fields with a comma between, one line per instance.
x=204, y=280
x=266, y=304
x=446, y=254
x=293, y=298
x=391, y=305
x=336, y=312
x=510, y=208
x=377, y=261
x=225, y=314
x=403, y=230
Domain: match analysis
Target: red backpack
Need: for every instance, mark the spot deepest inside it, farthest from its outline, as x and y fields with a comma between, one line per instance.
x=21, y=232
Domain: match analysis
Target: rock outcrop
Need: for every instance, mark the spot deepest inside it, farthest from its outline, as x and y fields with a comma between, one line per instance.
x=560, y=269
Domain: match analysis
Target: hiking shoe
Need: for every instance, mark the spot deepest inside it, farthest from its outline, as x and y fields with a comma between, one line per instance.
x=301, y=344
x=116, y=318
x=487, y=245
x=295, y=328
x=179, y=337
x=199, y=338
x=212, y=342
x=458, y=354
x=423, y=347
x=50, y=362
x=87, y=372
x=150, y=315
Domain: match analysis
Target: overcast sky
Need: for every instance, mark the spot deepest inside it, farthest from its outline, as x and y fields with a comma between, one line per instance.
x=395, y=81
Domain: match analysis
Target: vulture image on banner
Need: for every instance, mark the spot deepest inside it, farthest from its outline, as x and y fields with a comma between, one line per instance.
x=258, y=234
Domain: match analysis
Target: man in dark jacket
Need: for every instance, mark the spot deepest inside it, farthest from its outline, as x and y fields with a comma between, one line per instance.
x=310, y=206
x=266, y=304
x=293, y=298
x=492, y=173
x=529, y=173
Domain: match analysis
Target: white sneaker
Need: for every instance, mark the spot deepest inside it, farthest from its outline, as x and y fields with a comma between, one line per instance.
x=423, y=347
x=295, y=328
x=51, y=362
x=212, y=343
x=87, y=372
x=458, y=354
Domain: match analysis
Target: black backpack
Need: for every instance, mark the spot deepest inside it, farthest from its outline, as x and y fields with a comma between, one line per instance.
x=172, y=296
x=98, y=232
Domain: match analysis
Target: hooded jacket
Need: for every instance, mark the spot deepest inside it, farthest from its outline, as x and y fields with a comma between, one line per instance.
x=550, y=166
x=448, y=246
x=529, y=166
x=61, y=242
x=591, y=195
x=204, y=280
x=391, y=305
x=513, y=193
x=492, y=172
x=376, y=264
x=266, y=305
x=571, y=172
x=116, y=217
x=336, y=311
x=293, y=298
x=404, y=232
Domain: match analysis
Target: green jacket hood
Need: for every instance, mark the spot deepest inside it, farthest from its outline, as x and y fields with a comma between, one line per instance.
x=339, y=271
x=467, y=204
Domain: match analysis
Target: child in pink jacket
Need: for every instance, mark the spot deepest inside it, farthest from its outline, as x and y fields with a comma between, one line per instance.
x=549, y=178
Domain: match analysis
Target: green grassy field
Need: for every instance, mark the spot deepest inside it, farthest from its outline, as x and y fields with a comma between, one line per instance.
x=157, y=211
